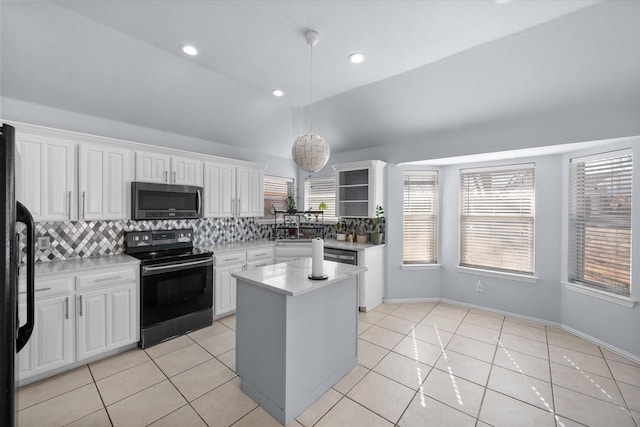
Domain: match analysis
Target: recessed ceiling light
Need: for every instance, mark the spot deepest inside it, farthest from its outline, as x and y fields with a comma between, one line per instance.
x=189, y=50
x=277, y=92
x=501, y=1
x=356, y=58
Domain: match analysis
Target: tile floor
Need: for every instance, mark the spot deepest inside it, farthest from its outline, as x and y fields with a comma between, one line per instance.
x=421, y=364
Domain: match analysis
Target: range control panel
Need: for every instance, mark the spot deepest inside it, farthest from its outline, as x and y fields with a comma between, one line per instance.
x=158, y=238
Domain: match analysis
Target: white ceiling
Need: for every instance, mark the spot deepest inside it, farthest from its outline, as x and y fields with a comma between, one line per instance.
x=431, y=65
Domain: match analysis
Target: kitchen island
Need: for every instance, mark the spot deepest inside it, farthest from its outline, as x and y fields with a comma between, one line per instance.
x=295, y=337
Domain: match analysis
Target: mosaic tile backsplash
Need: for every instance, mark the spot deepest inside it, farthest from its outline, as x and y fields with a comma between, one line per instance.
x=80, y=239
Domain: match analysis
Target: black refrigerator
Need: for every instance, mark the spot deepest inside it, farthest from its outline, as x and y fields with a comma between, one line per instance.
x=13, y=335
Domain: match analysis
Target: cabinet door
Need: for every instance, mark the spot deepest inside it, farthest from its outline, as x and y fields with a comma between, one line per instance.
x=92, y=323
x=152, y=167
x=123, y=324
x=219, y=186
x=105, y=182
x=53, y=336
x=25, y=362
x=186, y=171
x=225, y=288
x=46, y=177
x=250, y=192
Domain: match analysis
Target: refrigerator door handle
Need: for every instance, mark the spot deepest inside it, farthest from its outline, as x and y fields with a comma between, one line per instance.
x=24, y=332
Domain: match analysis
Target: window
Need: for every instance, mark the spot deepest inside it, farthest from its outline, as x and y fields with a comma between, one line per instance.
x=419, y=216
x=318, y=190
x=275, y=192
x=600, y=221
x=497, y=208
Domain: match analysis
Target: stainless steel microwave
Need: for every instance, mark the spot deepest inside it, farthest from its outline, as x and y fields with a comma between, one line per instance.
x=165, y=201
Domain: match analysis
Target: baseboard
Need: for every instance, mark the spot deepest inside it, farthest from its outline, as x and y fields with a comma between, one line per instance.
x=504, y=313
x=601, y=343
x=410, y=300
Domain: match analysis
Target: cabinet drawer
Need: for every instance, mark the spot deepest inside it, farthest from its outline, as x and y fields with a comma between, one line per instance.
x=230, y=258
x=102, y=278
x=47, y=288
x=260, y=254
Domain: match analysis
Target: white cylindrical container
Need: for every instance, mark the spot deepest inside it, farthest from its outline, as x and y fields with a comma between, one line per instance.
x=317, y=257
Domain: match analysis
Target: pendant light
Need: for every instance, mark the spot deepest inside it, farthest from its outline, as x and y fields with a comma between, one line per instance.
x=310, y=151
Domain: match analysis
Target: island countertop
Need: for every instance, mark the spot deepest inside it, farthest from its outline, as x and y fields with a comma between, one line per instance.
x=291, y=278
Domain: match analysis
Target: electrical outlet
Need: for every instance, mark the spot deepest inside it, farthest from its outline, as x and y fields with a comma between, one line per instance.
x=479, y=286
x=44, y=243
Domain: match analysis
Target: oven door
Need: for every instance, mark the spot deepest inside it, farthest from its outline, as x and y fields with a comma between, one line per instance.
x=175, y=289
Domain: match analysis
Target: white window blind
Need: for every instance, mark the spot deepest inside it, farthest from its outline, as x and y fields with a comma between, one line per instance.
x=318, y=190
x=275, y=193
x=497, y=210
x=600, y=221
x=420, y=221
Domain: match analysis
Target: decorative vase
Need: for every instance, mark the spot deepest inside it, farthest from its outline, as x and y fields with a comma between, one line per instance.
x=361, y=238
x=341, y=236
x=376, y=238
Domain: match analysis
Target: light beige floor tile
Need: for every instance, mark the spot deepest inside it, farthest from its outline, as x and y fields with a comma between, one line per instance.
x=610, y=355
x=180, y=360
x=408, y=313
x=586, y=362
x=528, y=389
x=118, y=363
x=386, y=307
x=396, y=324
x=528, y=331
x=424, y=411
x=573, y=342
x=470, y=347
x=229, y=359
x=168, y=346
x=351, y=379
x=424, y=307
x=524, y=345
x=631, y=395
x=450, y=311
x=489, y=322
x=371, y=316
x=524, y=322
x=370, y=354
x=62, y=409
x=382, y=395
x=259, y=418
x=566, y=422
x=229, y=321
x=431, y=334
x=626, y=373
x=348, y=413
x=636, y=417
x=381, y=337
x=589, y=410
x=202, y=378
x=523, y=363
x=210, y=331
x=54, y=386
x=363, y=326
x=224, y=405
x=476, y=332
x=500, y=410
x=586, y=383
x=221, y=343
x=456, y=392
x=441, y=322
x=466, y=367
x=313, y=413
x=97, y=419
x=146, y=406
x=418, y=350
x=131, y=381
x=183, y=417
x=404, y=370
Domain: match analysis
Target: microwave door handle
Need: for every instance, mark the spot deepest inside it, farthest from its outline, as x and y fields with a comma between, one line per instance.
x=198, y=203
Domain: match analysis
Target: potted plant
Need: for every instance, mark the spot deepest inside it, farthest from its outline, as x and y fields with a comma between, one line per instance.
x=341, y=230
x=376, y=236
x=291, y=202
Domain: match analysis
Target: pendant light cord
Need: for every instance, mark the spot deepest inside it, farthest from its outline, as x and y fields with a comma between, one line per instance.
x=311, y=91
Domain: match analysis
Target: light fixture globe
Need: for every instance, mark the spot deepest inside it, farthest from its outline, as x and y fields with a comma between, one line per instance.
x=310, y=151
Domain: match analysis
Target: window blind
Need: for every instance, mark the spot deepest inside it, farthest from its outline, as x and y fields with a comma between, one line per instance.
x=275, y=193
x=600, y=190
x=318, y=190
x=420, y=221
x=497, y=210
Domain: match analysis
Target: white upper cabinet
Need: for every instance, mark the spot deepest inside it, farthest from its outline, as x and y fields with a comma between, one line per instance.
x=250, y=192
x=46, y=176
x=359, y=188
x=165, y=169
x=231, y=190
x=104, y=182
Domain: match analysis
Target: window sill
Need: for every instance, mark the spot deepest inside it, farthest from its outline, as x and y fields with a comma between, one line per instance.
x=603, y=295
x=499, y=274
x=421, y=266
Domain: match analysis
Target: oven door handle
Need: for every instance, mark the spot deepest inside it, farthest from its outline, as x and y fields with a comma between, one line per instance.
x=156, y=269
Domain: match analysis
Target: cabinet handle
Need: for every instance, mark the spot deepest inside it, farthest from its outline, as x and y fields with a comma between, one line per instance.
x=239, y=205
x=107, y=279
x=165, y=176
x=80, y=305
x=233, y=206
x=231, y=259
x=37, y=290
x=69, y=204
x=84, y=212
x=66, y=308
x=174, y=177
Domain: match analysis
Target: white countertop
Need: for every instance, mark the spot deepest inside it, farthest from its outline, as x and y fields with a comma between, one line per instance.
x=79, y=264
x=291, y=278
x=238, y=246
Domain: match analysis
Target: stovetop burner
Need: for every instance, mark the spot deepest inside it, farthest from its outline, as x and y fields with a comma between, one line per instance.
x=172, y=255
x=152, y=247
